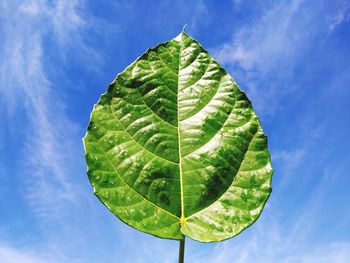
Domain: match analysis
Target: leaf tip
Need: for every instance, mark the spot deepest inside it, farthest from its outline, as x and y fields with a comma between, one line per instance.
x=178, y=38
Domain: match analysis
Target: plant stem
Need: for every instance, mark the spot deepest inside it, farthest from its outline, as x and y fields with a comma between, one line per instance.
x=182, y=250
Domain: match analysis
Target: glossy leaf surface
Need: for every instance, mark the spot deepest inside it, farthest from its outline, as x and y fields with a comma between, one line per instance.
x=174, y=147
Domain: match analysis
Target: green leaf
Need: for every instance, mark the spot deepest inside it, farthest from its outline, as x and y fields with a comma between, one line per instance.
x=174, y=147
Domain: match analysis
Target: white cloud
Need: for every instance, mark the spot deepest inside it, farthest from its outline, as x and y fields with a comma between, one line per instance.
x=31, y=8
x=12, y=255
x=290, y=162
x=265, y=43
x=26, y=85
x=200, y=16
x=269, y=47
x=250, y=253
x=341, y=15
x=334, y=252
x=50, y=142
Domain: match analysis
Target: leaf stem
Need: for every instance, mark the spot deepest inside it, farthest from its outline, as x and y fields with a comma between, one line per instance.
x=182, y=250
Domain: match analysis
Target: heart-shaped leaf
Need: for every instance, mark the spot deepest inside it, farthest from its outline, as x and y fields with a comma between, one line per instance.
x=174, y=147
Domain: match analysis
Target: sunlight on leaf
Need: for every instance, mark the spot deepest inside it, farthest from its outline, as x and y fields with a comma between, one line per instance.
x=174, y=147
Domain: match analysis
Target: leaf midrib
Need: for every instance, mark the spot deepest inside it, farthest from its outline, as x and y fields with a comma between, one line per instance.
x=182, y=217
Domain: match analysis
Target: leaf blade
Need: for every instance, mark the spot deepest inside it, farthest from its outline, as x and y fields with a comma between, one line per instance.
x=180, y=136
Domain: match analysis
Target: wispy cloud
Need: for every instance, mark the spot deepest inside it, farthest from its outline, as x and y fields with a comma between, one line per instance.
x=200, y=16
x=272, y=45
x=51, y=142
x=341, y=15
x=252, y=251
x=266, y=42
x=26, y=86
x=38, y=40
x=10, y=255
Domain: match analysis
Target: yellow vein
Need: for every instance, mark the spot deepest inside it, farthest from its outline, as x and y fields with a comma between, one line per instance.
x=182, y=218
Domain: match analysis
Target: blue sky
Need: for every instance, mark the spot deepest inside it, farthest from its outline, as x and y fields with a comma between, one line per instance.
x=292, y=58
